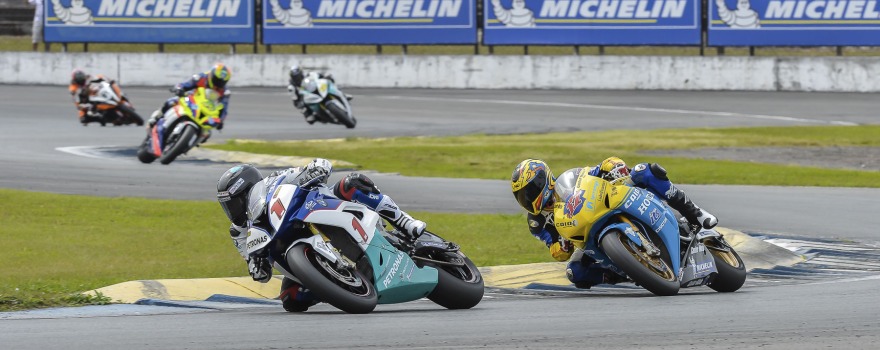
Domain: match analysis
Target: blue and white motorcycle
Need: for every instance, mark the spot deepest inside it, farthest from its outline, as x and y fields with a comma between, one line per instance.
x=343, y=252
x=327, y=102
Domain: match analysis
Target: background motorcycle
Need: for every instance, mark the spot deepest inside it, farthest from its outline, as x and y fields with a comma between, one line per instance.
x=111, y=104
x=184, y=126
x=327, y=102
x=627, y=230
x=342, y=252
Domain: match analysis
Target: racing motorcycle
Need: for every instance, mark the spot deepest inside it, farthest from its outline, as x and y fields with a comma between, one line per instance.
x=111, y=104
x=629, y=231
x=184, y=126
x=343, y=252
x=326, y=101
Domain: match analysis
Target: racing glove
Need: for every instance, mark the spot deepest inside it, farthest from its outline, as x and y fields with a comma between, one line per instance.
x=316, y=172
x=561, y=251
x=259, y=268
x=178, y=91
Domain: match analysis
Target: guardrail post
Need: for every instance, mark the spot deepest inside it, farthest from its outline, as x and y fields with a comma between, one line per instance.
x=404, y=49
x=491, y=50
x=304, y=51
x=840, y=50
x=161, y=47
x=601, y=50
x=720, y=50
x=63, y=47
x=526, y=50
x=378, y=49
x=231, y=49
x=86, y=47
x=269, y=48
x=577, y=50
x=751, y=50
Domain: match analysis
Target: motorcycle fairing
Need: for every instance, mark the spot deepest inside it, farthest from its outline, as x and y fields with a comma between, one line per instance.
x=581, y=216
x=396, y=276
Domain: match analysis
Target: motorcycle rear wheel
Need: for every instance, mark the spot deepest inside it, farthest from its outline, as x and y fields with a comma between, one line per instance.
x=653, y=273
x=341, y=115
x=180, y=146
x=347, y=290
x=731, y=269
x=458, y=287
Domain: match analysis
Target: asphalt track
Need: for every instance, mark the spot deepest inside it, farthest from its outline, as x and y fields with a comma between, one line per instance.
x=838, y=313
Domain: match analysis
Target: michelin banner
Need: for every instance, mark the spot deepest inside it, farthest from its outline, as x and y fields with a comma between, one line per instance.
x=794, y=22
x=150, y=21
x=591, y=22
x=369, y=22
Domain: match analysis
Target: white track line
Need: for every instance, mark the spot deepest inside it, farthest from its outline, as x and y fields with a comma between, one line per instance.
x=622, y=108
x=84, y=151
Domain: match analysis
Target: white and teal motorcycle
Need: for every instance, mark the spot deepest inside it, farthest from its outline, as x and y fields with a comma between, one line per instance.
x=343, y=252
x=326, y=101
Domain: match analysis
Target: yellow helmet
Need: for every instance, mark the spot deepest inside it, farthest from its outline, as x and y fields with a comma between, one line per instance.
x=532, y=185
x=613, y=168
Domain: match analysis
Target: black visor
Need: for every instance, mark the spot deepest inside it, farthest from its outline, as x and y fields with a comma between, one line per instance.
x=218, y=82
x=234, y=207
x=527, y=195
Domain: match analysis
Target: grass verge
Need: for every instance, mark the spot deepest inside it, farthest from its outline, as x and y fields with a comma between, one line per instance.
x=494, y=156
x=56, y=246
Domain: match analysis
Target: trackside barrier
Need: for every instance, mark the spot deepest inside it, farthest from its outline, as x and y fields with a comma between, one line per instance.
x=854, y=74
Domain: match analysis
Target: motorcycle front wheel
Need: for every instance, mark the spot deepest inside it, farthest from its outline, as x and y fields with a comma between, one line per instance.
x=458, y=286
x=731, y=269
x=653, y=273
x=131, y=115
x=144, y=154
x=179, y=146
x=346, y=289
x=341, y=115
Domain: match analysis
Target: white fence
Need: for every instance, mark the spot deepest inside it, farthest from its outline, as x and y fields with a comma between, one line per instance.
x=854, y=74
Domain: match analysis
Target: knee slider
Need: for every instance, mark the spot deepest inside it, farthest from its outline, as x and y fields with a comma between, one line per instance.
x=354, y=181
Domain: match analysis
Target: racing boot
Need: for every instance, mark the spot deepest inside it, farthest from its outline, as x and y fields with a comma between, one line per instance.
x=679, y=201
x=399, y=218
x=310, y=118
x=294, y=297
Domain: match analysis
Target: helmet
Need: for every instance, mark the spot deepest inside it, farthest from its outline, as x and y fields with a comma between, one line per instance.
x=532, y=184
x=78, y=77
x=296, y=75
x=613, y=168
x=219, y=76
x=233, y=189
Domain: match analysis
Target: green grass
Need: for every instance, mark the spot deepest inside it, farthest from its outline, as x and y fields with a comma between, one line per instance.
x=494, y=156
x=56, y=246
x=23, y=43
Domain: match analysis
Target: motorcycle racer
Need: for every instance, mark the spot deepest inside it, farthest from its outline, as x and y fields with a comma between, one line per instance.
x=296, y=78
x=536, y=190
x=234, y=188
x=214, y=79
x=79, y=81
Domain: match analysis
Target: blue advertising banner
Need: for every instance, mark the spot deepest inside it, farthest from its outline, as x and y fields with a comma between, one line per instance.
x=370, y=22
x=794, y=22
x=150, y=21
x=591, y=22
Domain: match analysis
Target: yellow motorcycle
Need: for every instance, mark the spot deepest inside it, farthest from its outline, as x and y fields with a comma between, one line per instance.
x=630, y=231
x=182, y=127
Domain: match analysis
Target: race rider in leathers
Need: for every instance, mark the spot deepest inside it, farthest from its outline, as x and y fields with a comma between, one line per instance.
x=79, y=80
x=214, y=79
x=536, y=190
x=235, y=186
x=296, y=78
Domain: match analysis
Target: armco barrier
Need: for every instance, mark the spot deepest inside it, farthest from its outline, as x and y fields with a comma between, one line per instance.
x=459, y=72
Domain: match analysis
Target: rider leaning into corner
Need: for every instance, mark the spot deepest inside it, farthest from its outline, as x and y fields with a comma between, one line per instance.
x=296, y=78
x=79, y=80
x=536, y=190
x=240, y=182
x=214, y=79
